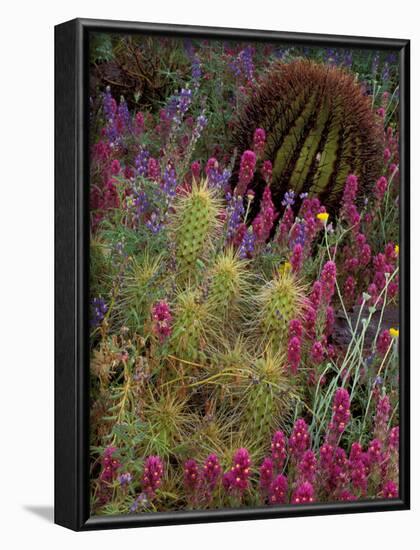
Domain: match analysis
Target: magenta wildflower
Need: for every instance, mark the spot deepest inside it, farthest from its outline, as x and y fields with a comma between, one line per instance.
x=153, y=169
x=383, y=342
x=374, y=451
x=266, y=473
x=317, y=353
x=110, y=465
x=115, y=167
x=394, y=438
x=267, y=171
x=211, y=471
x=349, y=288
x=383, y=409
x=380, y=187
x=329, y=321
x=303, y=494
x=328, y=276
x=387, y=154
x=299, y=440
x=296, y=259
x=294, y=353
x=389, y=490
x=278, y=449
x=161, y=320
x=316, y=294
x=259, y=141
x=246, y=171
x=239, y=473
x=350, y=189
x=152, y=475
x=196, y=170
x=346, y=496
x=191, y=475
x=310, y=322
x=295, y=328
x=307, y=467
x=278, y=490
x=341, y=413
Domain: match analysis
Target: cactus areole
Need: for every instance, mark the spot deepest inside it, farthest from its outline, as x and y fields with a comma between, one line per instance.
x=320, y=127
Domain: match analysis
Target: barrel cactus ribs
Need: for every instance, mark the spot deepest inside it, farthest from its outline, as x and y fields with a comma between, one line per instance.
x=320, y=127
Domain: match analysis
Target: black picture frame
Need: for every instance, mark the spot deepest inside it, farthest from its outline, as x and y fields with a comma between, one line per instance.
x=71, y=277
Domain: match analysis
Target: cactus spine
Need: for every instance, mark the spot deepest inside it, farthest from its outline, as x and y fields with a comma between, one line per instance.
x=194, y=226
x=279, y=301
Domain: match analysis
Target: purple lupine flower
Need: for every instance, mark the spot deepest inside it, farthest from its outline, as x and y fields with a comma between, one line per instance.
x=154, y=223
x=196, y=70
x=109, y=104
x=303, y=493
x=125, y=479
x=289, y=198
x=141, y=500
x=278, y=449
x=299, y=441
x=123, y=117
x=246, y=248
x=161, y=320
x=277, y=493
x=169, y=184
x=141, y=162
x=99, y=309
x=152, y=475
x=235, y=211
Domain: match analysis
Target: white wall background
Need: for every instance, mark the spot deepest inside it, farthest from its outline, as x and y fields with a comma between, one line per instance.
x=26, y=271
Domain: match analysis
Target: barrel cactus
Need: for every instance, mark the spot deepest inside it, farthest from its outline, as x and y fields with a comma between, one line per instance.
x=194, y=225
x=319, y=128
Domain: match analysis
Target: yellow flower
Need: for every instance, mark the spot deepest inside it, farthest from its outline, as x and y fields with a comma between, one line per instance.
x=323, y=216
x=394, y=332
x=397, y=249
x=287, y=266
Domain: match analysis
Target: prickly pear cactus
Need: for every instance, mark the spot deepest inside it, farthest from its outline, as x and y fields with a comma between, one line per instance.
x=320, y=127
x=194, y=226
x=279, y=301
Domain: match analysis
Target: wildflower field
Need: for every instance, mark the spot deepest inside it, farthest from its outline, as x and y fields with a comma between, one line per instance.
x=244, y=224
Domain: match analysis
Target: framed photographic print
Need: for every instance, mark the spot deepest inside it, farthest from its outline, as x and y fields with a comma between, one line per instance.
x=232, y=274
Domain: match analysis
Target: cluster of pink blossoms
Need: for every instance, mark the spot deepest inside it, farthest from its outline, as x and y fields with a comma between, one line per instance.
x=161, y=320
x=152, y=475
